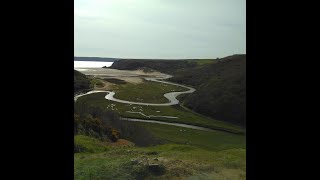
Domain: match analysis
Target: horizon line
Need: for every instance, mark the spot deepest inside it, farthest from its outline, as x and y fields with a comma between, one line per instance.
x=156, y=58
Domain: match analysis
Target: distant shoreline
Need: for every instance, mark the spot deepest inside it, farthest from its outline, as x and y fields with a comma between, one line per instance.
x=100, y=59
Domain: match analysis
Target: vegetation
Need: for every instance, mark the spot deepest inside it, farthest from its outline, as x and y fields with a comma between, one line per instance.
x=202, y=62
x=221, y=90
x=115, y=80
x=185, y=154
x=88, y=144
x=161, y=151
x=80, y=82
x=105, y=125
x=136, y=133
x=150, y=92
x=109, y=148
x=96, y=101
x=220, y=84
x=86, y=124
x=166, y=66
x=214, y=141
x=103, y=59
x=96, y=83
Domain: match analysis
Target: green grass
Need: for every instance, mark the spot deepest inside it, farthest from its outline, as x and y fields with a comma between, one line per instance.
x=210, y=155
x=89, y=144
x=183, y=115
x=188, y=153
x=149, y=92
x=108, y=165
x=191, y=163
x=216, y=141
x=96, y=82
x=115, y=80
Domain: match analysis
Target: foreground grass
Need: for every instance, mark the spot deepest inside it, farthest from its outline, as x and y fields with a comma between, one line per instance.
x=89, y=144
x=149, y=92
x=210, y=155
x=183, y=115
x=190, y=163
x=216, y=141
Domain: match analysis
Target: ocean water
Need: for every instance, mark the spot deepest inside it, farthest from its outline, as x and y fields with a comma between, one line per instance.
x=91, y=64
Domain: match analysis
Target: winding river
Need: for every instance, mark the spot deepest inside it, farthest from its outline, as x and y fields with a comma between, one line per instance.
x=171, y=96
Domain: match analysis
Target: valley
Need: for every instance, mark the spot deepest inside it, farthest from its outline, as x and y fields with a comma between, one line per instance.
x=125, y=122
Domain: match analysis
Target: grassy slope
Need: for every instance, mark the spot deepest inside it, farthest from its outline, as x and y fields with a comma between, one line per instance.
x=182, y=161
x=183, y=115
x=90, y=144
x=150, y=92
x=220, y=84
x=209, y=155
x=96, y=82
x=191, y=154
x=215, y=141
x=221, y=89
x=84, y=83
x=203, y=62
x=81, y=82
x=159, y=65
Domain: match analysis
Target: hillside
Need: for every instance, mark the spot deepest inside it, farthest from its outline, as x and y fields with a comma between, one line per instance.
x=80, y=81
x=221, y=89
x=220, y=84
x=166, y=66
x=107, y=148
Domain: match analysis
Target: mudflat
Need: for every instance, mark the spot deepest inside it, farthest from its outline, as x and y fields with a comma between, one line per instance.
x=130, y=76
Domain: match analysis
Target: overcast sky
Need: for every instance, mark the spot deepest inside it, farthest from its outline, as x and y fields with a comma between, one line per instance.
x=159, y=28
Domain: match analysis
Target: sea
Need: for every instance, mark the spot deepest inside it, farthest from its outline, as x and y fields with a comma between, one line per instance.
x=91, y=64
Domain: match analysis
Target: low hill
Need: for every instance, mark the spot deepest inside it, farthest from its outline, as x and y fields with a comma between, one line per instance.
x=166, y=66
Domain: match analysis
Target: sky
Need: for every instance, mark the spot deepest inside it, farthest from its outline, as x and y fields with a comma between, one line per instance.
x=167, y=29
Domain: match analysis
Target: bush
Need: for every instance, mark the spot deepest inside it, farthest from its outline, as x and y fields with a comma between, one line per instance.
x=91, y=126
x=95, y=122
